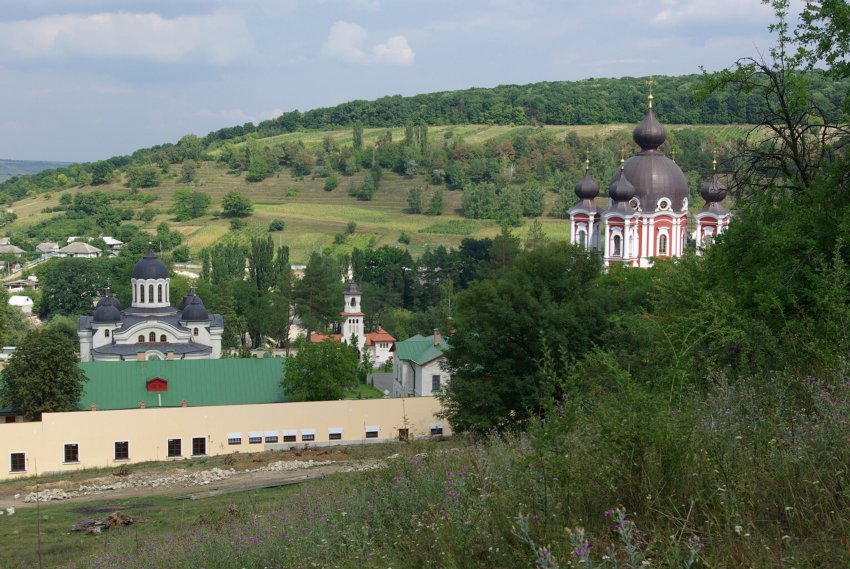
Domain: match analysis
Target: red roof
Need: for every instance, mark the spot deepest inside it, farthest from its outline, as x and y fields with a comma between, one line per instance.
x=352, y=314
x=379, y=335
x=316, y=337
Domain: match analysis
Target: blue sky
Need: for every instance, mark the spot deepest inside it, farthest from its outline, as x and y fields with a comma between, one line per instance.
x=88, y=79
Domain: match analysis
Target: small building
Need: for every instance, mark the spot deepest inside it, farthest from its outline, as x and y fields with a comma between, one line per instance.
x=418, y=364
x=47, y=247
x=79, y=249
x=11, y=250
x=113, y=244
x=29, y=283
x=22, y=303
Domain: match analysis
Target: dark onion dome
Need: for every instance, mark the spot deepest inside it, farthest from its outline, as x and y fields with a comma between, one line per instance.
x=713, y=190
x=150, y=267
x=621, y=190
x=654, y=175
x=108, y=309
x=587, y=188
x=195, y=311
x=352, y=288
x=186, y=300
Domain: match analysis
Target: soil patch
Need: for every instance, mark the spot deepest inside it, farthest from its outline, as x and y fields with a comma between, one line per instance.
x=100, y=509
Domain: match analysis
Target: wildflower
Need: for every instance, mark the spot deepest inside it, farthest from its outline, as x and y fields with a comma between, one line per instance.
x=738, y=530
x=609, y=513
x=582, y=550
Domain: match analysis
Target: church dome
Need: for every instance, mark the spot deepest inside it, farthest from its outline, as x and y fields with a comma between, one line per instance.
x=150, y=267
x=621, y=189
x=654, y=175
x=108, y=309
x=713, y=190
x=186, y=300
x=352, y=288
x=587, y=188
x=195, y=311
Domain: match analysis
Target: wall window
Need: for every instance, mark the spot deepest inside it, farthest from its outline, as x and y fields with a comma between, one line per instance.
x=234, y=439
x=435, y=383
x=272, y=438
x=255, y=439
x=437, y=429
x=175, y=448
x=582, y=239
x=308, y=437
x=72, y=452
x=159, y=293
x=141, y=293
x=106, y=333
x=352, y=302
x=162, y=338
x=289, y=438
x=18, y=462
x=372, y=432
x=152, y=337
x=335, y=436
x=150, y=293
x=199, y=446
x=618, y=246
x=662, y=244
x=195, y=332
x=122, y=450
x=141, y=339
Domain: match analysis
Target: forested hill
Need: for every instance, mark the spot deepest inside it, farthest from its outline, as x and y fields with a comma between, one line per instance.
x=10, y=168
x=585, y=102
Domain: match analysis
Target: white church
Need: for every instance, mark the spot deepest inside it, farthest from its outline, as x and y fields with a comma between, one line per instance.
x=150, y=328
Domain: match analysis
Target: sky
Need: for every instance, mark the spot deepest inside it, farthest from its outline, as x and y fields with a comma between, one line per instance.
x=83, y=80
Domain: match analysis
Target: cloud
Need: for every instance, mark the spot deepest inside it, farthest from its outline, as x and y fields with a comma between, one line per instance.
x=677, y=12
x=394, y=51
x=347, y=41
x=219, y=38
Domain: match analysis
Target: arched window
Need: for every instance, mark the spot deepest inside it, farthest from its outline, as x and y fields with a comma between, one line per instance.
x=352, y=301
x=662, y=244
x=582, y=239
x=141, y=339
x=152, y=336
x=195, y=331
x=618, y=245
x=141, y=293
x=150, y=293
x=159, y=293
x=162, y=338
x=106, y=332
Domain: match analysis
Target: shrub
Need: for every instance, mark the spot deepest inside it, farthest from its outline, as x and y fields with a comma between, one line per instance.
x=276, y=225
x=404, y=238
x=351, y=227
x=331, y=183
x=181, y=254
x=237, y=223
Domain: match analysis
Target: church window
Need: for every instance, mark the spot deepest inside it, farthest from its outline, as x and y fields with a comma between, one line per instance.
x=159, y=293
x=162, y=338
x=662, y=244
x=141, y=338
x=617, y=245
x=141, y=293
x=150, y=293
x=106, y=333
x=152, y=336
x=582, y=239
x=195, y=331
x=352, y=301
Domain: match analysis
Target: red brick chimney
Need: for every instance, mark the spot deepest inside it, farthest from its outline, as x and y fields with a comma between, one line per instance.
x=436, y=337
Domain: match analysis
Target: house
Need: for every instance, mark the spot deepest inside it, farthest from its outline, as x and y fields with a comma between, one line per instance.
x=418, y=366
x=12, y=250
x=29, y=283
x=78, y=249
x=150, y=328
x=113, y=244
x=47, y=247
x=23, y=303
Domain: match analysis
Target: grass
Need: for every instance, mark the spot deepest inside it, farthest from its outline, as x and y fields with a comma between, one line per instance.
x=364, y=391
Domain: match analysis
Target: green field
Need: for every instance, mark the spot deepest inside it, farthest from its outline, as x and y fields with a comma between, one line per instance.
x=313, y=216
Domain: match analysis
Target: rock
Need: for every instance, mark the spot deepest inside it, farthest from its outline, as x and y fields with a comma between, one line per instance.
x=118, y=519
x=89, y=525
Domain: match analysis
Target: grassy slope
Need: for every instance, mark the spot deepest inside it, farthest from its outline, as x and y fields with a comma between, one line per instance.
x=313, y=215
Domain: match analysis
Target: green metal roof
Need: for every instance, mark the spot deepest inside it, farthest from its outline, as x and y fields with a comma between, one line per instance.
x=420, y=349
x=123, y=385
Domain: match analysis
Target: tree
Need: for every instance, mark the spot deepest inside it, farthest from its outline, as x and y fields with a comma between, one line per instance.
x=42, y=376
x=320, y=371
x=414, y=200
x=276, y=224
x=189, y=204
x=101, y=173
x=436, y=205
x=234, y=204
x=316, y=296
x=142, y=176
x=504, y=327
x=357, y=136
x=188, y=172
x=261, y=263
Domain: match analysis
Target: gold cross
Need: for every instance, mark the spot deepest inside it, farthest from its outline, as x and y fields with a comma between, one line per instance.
x=714, y=160
x=650, y=82
x=587, y=159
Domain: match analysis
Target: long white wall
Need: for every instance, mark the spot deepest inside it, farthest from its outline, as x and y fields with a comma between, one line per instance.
x=147, y=431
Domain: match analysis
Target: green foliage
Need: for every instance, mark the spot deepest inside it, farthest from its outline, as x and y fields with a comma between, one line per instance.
x=414, y=200
x=404, y=238
x=68, y=285
x=189, y=204
x=435, y=207
x=316, y=296
x=331, y=183
x=236, y=224
x=479, y=201
x=321, y=371
x=142, y=176
x=234, y=204
x=276, y=225
x=188, y=171
x=181, y=254
x=351, y=227
x=42, y=375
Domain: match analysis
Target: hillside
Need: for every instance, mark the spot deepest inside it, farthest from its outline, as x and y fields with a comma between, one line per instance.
x=314, y=216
